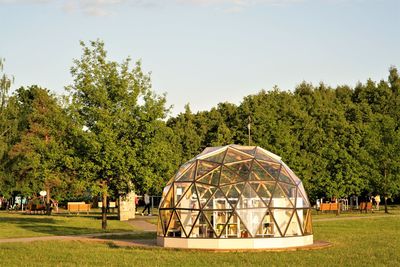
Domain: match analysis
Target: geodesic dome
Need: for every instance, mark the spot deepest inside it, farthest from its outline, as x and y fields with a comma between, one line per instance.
x=234, y=192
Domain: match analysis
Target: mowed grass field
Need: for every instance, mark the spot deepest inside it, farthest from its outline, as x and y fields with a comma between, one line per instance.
x=357, y=241
x=21, y=225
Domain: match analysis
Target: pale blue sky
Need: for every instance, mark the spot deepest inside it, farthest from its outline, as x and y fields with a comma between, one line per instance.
x=204, y=52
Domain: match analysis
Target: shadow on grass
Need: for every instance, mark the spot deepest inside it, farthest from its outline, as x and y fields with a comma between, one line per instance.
x=25, y=220
x=58, y=230
x=129, y=236
x=54, y=225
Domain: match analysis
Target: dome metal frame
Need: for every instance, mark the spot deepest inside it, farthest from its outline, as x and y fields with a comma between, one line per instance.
x=234, y=192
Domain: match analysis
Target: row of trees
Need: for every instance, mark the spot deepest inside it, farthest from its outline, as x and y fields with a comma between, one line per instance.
x=340, y=141
x=111, y=134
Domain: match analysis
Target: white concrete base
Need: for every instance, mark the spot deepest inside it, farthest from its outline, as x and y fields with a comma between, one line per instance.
x=235, y=243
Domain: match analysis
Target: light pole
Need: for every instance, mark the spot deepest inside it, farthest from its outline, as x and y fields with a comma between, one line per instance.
x=249, y=128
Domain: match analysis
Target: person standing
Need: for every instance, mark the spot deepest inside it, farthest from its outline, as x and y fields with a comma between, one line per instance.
x=377, y=201
x=136, y=203
x=146, y=204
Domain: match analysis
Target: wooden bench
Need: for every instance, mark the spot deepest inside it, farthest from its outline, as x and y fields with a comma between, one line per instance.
x=78, y=207
x=329, y=207
x=36, y=208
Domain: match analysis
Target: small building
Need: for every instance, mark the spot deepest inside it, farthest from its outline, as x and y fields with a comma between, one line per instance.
x=234, y=197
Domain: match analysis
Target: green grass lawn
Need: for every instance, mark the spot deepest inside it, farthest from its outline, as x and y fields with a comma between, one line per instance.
x=373, y=241
x=20, y=225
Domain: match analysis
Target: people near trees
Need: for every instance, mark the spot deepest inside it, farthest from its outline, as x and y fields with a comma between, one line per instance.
x=377, y=201
x=146, y=204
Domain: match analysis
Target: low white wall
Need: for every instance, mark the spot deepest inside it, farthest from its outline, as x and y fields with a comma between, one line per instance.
x=235, y=243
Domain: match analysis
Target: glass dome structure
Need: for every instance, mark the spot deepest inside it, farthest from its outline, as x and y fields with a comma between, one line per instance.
x=234, y=193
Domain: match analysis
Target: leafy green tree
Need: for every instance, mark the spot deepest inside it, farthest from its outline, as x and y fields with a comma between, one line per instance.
x=188, y=133
x=121, y=116
x=42, y=158
x=8, y=127
x=383, y=144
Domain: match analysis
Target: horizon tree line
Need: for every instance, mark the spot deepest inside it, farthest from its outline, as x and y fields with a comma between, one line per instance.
x=111, y=133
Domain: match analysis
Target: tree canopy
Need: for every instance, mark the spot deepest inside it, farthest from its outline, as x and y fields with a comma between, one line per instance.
x=112, y=133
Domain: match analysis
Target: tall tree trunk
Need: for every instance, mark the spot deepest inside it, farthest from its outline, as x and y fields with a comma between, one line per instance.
x=104, y=211
x=48, y=204
x=385, y=188
x=386, y=207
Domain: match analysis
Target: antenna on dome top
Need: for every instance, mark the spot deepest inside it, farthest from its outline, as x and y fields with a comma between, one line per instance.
x=249, y=128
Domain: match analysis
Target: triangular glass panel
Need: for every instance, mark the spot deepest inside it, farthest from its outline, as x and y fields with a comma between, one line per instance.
x=168, y=197
x=258, y=173
x=182, y=226
x=292, y=175
x=175, y=227
x=160, y=230
x=262, y=191
x=232, y=228
x=233, y=155
x=284, y=176
x=171, y=180
x=210, y=150
x=289, y=190
x=211, y=178
x=279, y=199
x=220, y=220
x=217, y=201
x=204, y=167
x=205, y=193
x=271, y=167
x=301, y=215
x=282, y=218
x=261, y=155
x=301, y=201
x=180, y=189
x=209, y=204
x=266, y=228
x=165, y=217
x=188, y=219
x=165, y=190
x=183, y=168
x=228, y=176
x=217, y=158
x=242, y=168
x=251, y=150
x=205, y=224
x=307, y=224
x=188, y=174
x=232, y=192
x=252, y=218
x=189, y=200
x=294, y=228
x=302, y=192
x=249, y=199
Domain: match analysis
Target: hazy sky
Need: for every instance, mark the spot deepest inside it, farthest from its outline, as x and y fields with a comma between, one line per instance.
x=204, y=52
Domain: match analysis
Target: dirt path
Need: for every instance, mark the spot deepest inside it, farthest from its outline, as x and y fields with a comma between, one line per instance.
x=141, y=223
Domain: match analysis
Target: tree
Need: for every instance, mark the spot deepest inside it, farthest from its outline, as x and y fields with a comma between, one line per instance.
x=114, y=104
x=383, y=143
x=188, y=133
x=42, y=158
x=5, y=84
x=8, y=125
